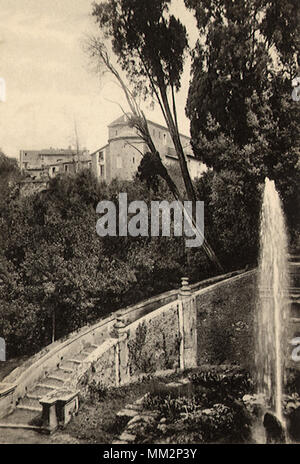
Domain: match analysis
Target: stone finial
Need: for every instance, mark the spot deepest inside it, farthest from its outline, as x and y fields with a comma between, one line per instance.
x=119, y=326
x=185, y=289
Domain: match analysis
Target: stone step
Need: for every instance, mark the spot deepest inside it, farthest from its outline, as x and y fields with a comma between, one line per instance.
x=77, y=361
x=32, y=396
x=68, y=365
x=59, y=381
x=52, y=382
x=29, y=408
x=42, y=390
x=80, y=356
x=127, y=413
x=59, y=374
x=127, y=437
x=89, y=349
x=86, y=353
x=30, y=403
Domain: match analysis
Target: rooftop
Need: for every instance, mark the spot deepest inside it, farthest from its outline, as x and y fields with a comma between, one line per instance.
x=123, y=121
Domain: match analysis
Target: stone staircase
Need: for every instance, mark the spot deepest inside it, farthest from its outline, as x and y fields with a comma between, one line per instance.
x=27, y=414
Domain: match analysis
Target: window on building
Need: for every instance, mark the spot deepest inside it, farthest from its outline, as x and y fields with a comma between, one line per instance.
x=133, y=160
x=66, y=167
x=101, y=156
x=53, y=170
x=119, y=162
x=102, y=170
x=116, y=132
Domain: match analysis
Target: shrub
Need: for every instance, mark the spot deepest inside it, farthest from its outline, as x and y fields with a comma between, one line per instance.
x=139, y=359
x=170, y=406
x=293, y=381
x=219, y=384
x=97, y=391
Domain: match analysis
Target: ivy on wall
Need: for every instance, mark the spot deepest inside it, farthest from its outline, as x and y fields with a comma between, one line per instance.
x=146, y=357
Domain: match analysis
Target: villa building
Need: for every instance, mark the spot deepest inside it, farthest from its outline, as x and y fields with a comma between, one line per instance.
x=38, y=163
x=121, y=156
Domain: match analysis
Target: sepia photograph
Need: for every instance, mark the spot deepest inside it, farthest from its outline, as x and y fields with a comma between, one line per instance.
x=149, y=226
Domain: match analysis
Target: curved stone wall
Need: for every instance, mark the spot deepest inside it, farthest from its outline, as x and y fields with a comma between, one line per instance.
x=160, y=333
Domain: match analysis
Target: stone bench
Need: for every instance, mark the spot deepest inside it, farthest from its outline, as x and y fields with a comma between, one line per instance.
x=58, y=408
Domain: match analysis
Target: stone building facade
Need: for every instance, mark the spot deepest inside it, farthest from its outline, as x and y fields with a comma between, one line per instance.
x=121, y=156
x=38, y=163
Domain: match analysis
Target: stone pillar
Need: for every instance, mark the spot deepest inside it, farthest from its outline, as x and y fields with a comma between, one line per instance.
x=121, y=360
x=49, y=414
x=189, y=326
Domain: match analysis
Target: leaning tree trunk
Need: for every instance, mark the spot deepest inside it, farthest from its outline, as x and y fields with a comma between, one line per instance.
x=178, y=147
x=185, y=174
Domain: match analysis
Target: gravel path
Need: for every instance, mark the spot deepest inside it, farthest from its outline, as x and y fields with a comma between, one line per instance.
x=19, y=436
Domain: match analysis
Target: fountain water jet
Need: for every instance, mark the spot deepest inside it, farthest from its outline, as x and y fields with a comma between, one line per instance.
x=273, y=302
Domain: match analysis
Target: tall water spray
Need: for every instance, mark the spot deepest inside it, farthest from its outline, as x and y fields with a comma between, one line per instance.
x=273, y=305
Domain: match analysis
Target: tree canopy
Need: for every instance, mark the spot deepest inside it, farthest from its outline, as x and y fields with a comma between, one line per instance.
x=57, y=274
x=243, y=119
x=148, y=41
x=150, y=44
x=240, y=92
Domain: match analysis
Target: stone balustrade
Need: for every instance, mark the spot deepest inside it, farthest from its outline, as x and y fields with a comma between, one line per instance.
x=165, y=328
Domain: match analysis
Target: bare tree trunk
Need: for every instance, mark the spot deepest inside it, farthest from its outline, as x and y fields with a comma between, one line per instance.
x=174, y=132
x=139, y=121
x=178, y=147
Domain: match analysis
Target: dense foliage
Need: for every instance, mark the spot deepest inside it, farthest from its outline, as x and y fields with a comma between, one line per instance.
x=244, y=122
x=212, y=411
x=57, y=274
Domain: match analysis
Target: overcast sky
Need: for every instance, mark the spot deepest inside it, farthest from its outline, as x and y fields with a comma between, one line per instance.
x=49, y=82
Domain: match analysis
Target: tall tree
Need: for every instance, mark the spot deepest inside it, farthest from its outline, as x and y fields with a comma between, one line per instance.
x=242, y=114
x=150, y=45
x=243, y=65
x=144, y=85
